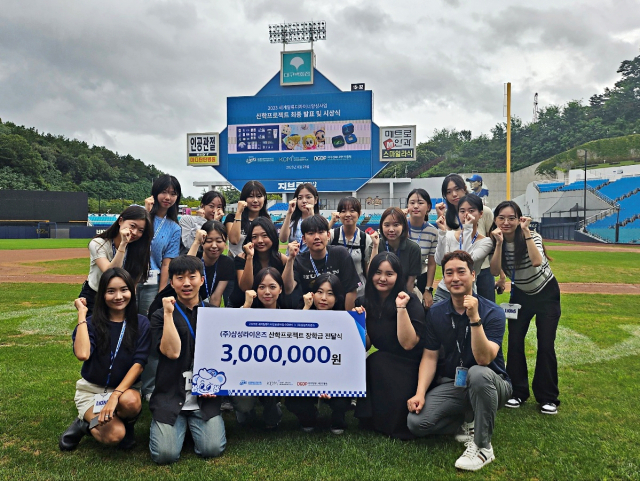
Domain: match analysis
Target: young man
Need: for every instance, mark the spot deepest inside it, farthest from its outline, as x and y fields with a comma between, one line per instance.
x=172, y=405
x=303, y=269
x=474, y=379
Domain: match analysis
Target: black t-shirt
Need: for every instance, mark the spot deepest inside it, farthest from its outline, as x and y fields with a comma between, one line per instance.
x=445, y=326
x=237, y=296
x=222, y=270
x=410, y=257
x=338, y=262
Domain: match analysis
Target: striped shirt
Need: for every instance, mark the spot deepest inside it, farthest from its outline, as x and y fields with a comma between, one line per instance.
x=525, y=277
x=427, y=238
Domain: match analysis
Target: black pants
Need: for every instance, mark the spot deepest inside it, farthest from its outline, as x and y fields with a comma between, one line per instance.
x=545, y=305
x=90, y=295
x=306, y=411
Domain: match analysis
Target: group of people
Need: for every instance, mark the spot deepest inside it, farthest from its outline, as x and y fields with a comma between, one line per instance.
x=437, y=366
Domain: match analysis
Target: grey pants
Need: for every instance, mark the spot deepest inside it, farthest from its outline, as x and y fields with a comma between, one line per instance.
x=446, y=405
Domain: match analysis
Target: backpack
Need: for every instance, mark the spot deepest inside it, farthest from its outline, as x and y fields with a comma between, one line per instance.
x=362, y=247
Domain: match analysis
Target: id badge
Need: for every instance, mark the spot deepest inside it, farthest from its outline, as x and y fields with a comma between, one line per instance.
x=510, y=310
x=152, y=279
x=100, y=401
x=188, y=380
x=461, y=377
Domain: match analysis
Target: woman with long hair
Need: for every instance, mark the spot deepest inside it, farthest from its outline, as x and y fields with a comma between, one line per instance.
x=261, y=250
x=266, y=293
x=303, y=205
x=469, y=239
x=423, y=233
x=218, y=268
x=327, y=294
x=113, y=344
x=252, y=204
x=521, y=254
x=394, y=238
x=124, y=244
x=395, y=326
x=212, y=206
x=454, y=188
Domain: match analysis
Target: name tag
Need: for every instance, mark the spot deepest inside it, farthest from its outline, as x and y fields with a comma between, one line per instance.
x=461, y=377
x=510, y=310
x=152, y=280
x=188, y=380
x=100, y=401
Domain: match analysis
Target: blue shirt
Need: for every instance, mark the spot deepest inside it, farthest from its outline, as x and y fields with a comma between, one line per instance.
x=166, y=241
x=442, y=318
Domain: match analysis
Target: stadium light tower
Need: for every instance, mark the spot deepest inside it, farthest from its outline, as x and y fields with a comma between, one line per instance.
x=297, y=32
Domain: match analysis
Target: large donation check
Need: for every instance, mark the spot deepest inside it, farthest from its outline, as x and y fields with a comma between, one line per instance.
x=279, y=352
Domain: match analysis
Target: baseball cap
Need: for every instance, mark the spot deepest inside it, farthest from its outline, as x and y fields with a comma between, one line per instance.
x=474, y=178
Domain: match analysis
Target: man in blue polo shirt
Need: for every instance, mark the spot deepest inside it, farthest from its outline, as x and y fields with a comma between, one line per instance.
x=471, y=379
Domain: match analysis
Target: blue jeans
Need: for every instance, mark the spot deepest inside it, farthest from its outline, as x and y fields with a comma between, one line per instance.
x=165, y=441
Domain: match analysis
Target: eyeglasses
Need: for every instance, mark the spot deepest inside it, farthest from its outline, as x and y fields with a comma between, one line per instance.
x=502, y=218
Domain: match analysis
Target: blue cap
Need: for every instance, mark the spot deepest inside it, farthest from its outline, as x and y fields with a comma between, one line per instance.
x=474, y=178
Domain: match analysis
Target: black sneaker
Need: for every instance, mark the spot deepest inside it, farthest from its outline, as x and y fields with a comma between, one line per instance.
x=514, y=403
x=549, y=408
x=72, y=436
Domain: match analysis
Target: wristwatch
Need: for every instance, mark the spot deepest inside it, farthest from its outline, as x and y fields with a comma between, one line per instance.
x=430, y=289
x=476, y=324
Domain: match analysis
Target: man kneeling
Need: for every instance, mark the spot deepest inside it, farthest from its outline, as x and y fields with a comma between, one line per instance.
x=473, y=381
x=172, y=405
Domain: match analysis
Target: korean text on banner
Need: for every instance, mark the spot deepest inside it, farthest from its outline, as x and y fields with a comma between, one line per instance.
x=247, y=352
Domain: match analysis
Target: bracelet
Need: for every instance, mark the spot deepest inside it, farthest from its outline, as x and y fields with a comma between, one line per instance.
x=118, y=390
x=122, y=252
x=82, y=322
x=401, y=307
x=528, y=238
x=237, y=220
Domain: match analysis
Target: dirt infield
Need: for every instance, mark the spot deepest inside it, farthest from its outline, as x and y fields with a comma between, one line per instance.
x=12, y=268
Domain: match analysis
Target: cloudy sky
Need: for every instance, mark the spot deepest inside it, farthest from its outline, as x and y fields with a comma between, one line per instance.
x=137, y=75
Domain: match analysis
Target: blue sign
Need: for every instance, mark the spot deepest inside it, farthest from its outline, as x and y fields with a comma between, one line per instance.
x=284, y=136
x=296, y=68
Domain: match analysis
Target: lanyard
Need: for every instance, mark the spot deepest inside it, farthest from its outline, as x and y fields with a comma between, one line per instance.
x=186, y=319
x=114, y=354
x=326, y=262
x=421, y=232
x=389, y=250
x=453, y=324
x=215, y=275
x=344, y=239
x=113, y=249
x=472, y=240
x=158, y=229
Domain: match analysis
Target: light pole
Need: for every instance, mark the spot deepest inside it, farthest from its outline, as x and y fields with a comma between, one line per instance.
x=585, y=191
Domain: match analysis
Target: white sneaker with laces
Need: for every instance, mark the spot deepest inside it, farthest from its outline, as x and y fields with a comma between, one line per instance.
x=465, y=432
x=474, y=457
x=549, y=408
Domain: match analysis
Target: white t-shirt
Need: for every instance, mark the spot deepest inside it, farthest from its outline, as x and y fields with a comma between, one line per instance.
x=98, y=248
x=353, y=246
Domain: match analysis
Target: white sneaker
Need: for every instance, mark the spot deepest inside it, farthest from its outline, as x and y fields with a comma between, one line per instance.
x=465, y=432
x=514, y=403
x=474, y=457
x=549, y=408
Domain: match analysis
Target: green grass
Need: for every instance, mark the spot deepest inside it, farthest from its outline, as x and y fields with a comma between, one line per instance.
x=17, y=244
x=594, y=436
x=610, y=267
x=79, y=266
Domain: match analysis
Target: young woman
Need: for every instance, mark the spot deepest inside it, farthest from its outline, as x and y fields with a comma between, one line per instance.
x=165, y=245
x=327, y=294
x=426, y=236
x=260, y=251
x=468, y=239
x=265, y=294
x=351, y=237
x=212, y=206
x=395, y=325
x=113, y=345
x=394, y=238
x=252, y=204
x=304, y=204
x=454, y=188
x=124, y=244
x=218, y=269
x=520, y=253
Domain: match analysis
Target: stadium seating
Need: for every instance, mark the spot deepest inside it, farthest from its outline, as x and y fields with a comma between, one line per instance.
x=621, y=187
x=550, y=186
x=278, y=206
x=579, y=184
